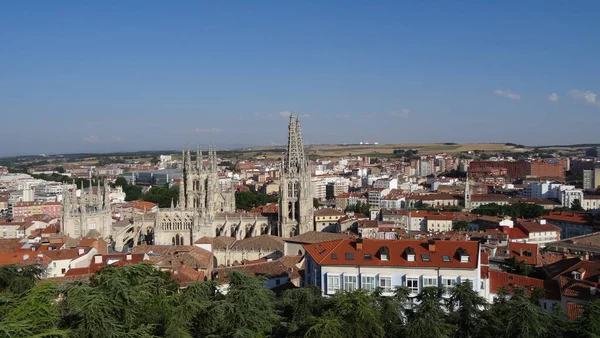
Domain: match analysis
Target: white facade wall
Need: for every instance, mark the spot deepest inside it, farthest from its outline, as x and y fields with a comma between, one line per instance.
x=397, y=276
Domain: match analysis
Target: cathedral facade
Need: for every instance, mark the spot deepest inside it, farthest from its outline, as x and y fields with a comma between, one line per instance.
x=206, y=208
x=87, y=213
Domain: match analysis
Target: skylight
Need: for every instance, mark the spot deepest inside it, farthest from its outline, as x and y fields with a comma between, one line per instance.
x=446, y=258
x=425, y=257
x=333, y=256
x=349, y=255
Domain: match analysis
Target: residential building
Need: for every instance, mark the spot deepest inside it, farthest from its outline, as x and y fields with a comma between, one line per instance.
x=326, y=219
x=348, y=265
x=439, y=222
x=571, y=224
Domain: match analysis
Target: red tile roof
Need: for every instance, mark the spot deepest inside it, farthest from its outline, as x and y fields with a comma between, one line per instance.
x=499, y=279
x=521, y=251
x=570, y=217
x=322, y=253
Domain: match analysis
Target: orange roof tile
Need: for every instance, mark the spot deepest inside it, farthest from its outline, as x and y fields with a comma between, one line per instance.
x=338, y=253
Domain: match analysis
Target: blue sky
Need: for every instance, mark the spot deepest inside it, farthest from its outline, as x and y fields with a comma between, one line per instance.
x=132, y=75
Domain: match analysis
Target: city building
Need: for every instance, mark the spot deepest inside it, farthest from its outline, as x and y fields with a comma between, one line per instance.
x=348, y=265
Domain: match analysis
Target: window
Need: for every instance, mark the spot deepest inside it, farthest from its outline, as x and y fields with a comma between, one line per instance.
x=333, y=256
x=412, y=283
x=430, y=281
x=367, y=282
x=349, y=255
x=367, y=257
x=466, y=280
x=448, y=284
x=577, y=275
x=385, y=283
x=350, y=282
x=333, y=283
x=425, y=257
x=446, y=258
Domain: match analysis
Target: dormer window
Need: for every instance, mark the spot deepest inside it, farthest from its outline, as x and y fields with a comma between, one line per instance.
x=577, y=275
x=463, y=255
x=410, y=254
x=384, y=253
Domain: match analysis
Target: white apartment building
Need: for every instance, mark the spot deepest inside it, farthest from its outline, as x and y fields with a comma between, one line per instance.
x=374, y=197
x=567, y=197
x=545, y=190
x=386, y=183
x=367, y=264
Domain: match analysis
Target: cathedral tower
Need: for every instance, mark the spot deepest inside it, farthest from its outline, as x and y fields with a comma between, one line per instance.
x=296, y=214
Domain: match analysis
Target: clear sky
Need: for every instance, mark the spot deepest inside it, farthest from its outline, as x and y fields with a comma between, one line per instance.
x=139, y=75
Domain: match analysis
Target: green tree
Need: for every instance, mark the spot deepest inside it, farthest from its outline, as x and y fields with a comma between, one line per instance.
x=466, y=308
x=119, y=302
x=517, y=316
x=392, y=310
x=34, y=315
x=519, y=267
x=460, y=226
x=162, y=196
x=248, y=308
x=359, y=314
x=18, y=279
x=428, y=319
x=247, y=200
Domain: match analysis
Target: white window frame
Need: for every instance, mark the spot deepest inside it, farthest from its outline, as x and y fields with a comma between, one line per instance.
x=381, y=283
x=372, y=283
x=463, y=280
x=428, y=279
x=348, y=282
x=412, y=288
x=448, y=283
x=330, y=278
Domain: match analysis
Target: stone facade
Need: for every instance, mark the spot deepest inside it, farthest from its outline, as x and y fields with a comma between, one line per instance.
x=88, y=214
x=296, y=212
x=206, y=208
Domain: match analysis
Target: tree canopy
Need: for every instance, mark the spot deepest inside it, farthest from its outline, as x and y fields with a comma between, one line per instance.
x=143, y=301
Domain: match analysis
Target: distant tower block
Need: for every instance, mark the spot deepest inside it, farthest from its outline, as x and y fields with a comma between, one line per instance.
x=296, y=212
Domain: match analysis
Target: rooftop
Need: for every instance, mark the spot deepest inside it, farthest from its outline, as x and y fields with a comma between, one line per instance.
x=377, y=252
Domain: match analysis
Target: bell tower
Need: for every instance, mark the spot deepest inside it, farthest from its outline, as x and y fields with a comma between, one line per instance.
x=296, y=214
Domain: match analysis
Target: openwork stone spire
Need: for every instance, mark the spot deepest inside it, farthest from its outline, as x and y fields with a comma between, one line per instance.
x=296, y=201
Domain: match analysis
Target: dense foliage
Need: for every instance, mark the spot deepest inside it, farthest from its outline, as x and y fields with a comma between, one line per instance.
x=359, y=207
x=246, y=200
x=516, y=210
x=141, y=301
x=162, y=196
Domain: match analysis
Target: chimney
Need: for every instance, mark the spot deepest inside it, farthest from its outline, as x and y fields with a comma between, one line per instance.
x=98, y=259
x=521, y=252
x=359, y=244
x=25, y=257
x=128, y=257
x=80, y=251
x=431, y=245
x=542, y=221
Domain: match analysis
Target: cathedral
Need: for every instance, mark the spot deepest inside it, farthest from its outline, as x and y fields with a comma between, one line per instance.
x=87, y=214
x=206, y=206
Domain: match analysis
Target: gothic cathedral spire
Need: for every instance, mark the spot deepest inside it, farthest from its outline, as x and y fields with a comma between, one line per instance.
x=296, y=214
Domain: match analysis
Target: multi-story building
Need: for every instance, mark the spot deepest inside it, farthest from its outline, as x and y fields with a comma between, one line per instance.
x=348, y=265
x=551, y=169
x=374, y=197
x=545, y=190
x=568, y=197
x=571, y=224
x=327, y=219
